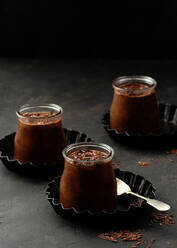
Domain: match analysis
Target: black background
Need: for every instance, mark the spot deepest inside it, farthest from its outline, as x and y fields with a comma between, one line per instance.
x=117, y=29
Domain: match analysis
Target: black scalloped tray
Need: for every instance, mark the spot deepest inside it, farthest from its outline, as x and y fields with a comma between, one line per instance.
x=7, y=155
x=124, y=202
x=167, y=133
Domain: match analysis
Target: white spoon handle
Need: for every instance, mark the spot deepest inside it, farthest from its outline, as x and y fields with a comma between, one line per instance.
x=159, y=205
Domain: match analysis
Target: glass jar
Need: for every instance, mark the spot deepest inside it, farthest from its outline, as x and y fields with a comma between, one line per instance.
x=88, y=184
x=134, y=107
x=40, y=137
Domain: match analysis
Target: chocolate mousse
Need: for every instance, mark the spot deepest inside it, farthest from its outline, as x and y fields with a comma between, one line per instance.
x=88, y=181
x=39, y=138
x=134, y=107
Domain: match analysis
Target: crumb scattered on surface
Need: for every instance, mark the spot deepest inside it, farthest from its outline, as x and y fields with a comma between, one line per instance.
x=137, y=237
x=167, y=152
x=127, y=235
x=136, y=204
x=171, y=160
x=173, y=151
x=162, y=219
x=107, y=236
x=143, y=163
x=151, y=243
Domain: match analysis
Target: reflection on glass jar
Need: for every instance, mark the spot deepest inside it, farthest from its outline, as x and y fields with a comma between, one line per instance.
x=40, y=136
x=134, y=107
x=88, y=181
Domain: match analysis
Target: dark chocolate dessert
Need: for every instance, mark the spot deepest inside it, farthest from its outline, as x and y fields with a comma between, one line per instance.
x=88, y=181
x=134, y=108
x=39, y=138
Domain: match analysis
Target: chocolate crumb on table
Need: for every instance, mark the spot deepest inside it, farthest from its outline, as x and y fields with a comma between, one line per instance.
x=143, y=163
x=125, y=235
x=129, y=236
x=173, y=151
x=137, y=237
x=151, y=243
x=107, y=236
x=136, y=204
x=162, y=219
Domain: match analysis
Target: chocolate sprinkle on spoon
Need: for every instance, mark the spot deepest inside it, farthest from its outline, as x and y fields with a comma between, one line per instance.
x=122, y=188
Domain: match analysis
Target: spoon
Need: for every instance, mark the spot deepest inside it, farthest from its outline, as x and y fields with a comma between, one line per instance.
x=123, y=188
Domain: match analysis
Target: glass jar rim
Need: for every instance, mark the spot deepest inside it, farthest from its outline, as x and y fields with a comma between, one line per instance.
x=81, y=145
x=33, y=106
x=151, y=82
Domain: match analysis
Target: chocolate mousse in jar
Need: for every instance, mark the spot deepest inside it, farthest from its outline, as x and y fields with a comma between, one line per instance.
x=134, y=107
x=40, y=137
x=88, y=181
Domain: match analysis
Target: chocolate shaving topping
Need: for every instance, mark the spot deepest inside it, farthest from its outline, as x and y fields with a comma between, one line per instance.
x=38, y=114
x=134, y=89
x=88, y=155
x=133, y=86
x=40, y=118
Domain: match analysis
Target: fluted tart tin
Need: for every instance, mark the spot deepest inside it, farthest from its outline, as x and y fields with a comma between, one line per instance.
x=8, y=160
x=167, y=134
x=125, y=203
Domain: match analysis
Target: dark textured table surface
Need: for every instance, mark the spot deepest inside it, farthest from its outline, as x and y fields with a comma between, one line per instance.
x=83, y=89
